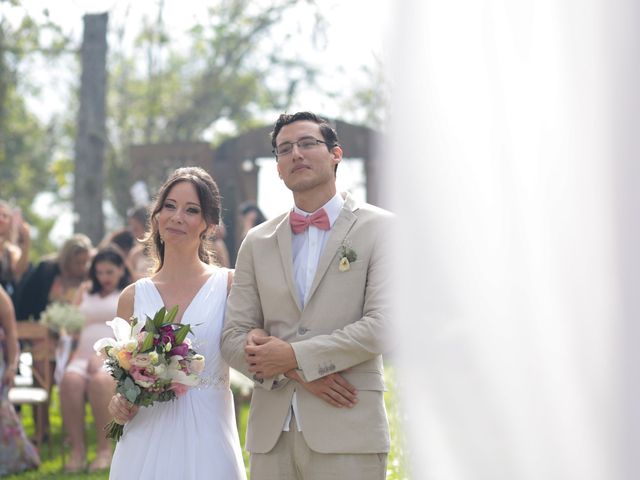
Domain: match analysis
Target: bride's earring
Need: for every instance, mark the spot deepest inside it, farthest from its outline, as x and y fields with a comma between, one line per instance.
x=207, y=233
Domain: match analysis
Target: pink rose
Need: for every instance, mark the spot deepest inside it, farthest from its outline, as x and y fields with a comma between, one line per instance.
x=179, y=388
x=141, y=377
x=141, y=360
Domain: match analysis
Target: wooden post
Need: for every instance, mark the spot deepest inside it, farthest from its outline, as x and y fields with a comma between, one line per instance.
x=91, y=130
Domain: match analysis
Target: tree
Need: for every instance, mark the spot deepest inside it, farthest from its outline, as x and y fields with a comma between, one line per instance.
x=234, y=69
x=25, y=142
x=369, y=102
x=90, y=139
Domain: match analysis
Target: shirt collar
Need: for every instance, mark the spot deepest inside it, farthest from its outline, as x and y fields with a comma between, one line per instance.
x=332, y=207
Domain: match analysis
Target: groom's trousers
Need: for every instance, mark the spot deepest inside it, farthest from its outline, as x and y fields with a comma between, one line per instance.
x=292, y=459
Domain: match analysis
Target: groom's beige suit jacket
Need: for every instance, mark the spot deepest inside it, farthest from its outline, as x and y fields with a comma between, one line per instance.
x=342, y=328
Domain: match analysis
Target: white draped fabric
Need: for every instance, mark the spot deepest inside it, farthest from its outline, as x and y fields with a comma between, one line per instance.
x=515, y=145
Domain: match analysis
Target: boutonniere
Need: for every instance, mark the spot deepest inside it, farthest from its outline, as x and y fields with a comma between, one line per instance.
x=347, y=255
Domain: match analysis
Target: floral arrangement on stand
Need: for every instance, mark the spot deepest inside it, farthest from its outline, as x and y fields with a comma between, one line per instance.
x=152, y=361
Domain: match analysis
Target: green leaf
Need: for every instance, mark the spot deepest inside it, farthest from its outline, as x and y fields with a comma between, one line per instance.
x=117, y=372
x=170, y=317
x=150, y=327
x=181, y=333
x=131, y=390
x=147, y=344
x=159, y=317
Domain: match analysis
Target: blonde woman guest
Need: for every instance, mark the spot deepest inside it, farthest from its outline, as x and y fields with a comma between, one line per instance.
x=55, y=280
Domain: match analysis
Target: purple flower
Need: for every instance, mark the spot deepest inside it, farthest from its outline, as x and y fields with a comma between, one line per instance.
x=181, y=350
x=167, y=335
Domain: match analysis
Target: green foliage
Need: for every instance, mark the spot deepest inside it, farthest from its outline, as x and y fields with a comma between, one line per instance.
x=25, y=143
x=398, y=460
x=129, y=389
x=181, y=333
x=51, y=467
x=180, y=93
x=368, y=104
x=147, y=343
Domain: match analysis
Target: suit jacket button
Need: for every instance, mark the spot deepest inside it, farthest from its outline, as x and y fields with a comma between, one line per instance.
x=302, y=330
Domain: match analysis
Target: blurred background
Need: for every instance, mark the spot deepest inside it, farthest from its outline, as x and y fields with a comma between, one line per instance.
x=184, y=82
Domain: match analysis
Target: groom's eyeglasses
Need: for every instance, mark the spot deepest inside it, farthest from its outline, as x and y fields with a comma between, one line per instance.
x=306, y=143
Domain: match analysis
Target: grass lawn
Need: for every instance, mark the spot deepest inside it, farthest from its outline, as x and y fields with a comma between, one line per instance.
x=51, y=467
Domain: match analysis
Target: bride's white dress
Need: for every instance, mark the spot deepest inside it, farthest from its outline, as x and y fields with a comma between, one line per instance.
x=195, y=436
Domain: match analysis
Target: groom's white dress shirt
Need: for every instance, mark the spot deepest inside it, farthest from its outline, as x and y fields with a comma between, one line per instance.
x=307, y=248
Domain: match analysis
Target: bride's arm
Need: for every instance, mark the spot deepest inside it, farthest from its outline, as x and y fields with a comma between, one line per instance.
x=119, y=407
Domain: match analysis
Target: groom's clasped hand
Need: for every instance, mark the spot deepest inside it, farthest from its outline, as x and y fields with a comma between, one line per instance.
x=269, y=356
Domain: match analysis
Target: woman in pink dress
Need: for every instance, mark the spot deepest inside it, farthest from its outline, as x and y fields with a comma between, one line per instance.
x=84, y=376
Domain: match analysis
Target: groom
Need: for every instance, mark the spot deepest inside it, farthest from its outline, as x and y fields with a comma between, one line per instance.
x=307, y=320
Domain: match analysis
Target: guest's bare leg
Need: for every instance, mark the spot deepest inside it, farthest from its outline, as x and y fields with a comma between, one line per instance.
x=101, y=389
x=72, y=391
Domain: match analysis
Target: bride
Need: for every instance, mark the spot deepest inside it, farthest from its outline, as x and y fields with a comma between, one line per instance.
x=194, y=436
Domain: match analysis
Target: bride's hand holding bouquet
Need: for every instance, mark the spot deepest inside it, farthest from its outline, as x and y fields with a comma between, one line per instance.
x=152, y=361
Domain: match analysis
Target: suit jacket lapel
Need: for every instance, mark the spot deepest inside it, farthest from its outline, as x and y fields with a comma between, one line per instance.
x=339, y=231
x=283, y=237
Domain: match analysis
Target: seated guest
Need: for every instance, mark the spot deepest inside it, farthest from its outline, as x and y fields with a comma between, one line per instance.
x=85, y=375
x=56, y=279
x=15, y=242
x=53, y=280
x=16, y=452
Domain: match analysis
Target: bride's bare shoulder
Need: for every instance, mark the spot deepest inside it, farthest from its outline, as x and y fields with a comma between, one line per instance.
x=125, y=301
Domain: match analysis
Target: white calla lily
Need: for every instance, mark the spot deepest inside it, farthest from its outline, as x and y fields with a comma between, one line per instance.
x=136, y=329
x=123, y=333
x=121, y=329
x=104, y=343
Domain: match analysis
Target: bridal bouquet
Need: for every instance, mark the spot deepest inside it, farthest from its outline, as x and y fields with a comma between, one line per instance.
x=62, y=318
x=152, y=361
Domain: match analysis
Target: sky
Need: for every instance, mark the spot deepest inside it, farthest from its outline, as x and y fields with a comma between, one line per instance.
x=355, y=36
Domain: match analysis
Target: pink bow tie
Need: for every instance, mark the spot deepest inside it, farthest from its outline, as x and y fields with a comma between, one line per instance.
x=299, y=223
